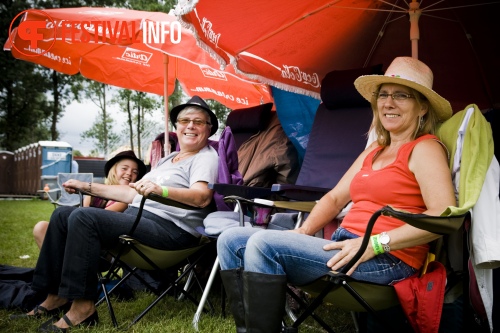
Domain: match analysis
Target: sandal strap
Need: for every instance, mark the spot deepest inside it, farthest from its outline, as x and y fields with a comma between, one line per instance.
x=40, y=310
x=66, y=319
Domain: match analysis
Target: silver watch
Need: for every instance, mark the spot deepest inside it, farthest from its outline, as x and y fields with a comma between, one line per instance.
x=384, y=240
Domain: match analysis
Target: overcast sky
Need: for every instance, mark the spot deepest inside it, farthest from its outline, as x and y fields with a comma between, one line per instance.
x=79, y=117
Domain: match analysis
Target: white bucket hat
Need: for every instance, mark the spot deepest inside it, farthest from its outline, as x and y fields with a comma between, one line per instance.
x=408, y=72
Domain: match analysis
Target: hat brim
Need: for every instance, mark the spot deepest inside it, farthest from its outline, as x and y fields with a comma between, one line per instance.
x=177, y=109
x=368, y=84
x=112, y=161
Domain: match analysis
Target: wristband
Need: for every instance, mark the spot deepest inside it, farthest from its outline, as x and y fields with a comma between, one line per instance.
x=165, y=191
x=90, y=187
x=377, y=247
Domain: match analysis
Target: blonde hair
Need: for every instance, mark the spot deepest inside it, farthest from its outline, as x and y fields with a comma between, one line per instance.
x=427, y=125
x=111, y=178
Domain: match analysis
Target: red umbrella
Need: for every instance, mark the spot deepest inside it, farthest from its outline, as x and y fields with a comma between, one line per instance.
x=117, y=47
x=292, y=44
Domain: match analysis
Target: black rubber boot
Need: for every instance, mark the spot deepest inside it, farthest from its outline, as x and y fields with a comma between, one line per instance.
x=264, y=302
x=233, y=285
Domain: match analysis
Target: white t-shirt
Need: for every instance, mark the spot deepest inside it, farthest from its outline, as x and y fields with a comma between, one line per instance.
x=200, y=167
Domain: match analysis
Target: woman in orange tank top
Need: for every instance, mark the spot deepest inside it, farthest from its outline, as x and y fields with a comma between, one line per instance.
x=406, y=168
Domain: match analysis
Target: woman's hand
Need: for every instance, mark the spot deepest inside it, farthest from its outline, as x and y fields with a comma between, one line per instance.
x=73, y=185
x=347, y=249
x=146, y=187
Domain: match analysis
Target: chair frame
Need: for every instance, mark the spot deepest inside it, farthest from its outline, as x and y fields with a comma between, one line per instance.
x=442, y=225
x=186, y=261
x=57, y=202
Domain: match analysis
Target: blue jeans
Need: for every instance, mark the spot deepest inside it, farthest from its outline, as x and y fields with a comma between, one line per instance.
x=69, y=257
x=300, y=257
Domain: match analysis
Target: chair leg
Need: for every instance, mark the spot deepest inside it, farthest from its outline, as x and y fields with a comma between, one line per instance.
x=103, y=280
x=187, y=286
x=204, y=297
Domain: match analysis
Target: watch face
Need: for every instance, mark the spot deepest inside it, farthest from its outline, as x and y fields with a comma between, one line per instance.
x=384, y=239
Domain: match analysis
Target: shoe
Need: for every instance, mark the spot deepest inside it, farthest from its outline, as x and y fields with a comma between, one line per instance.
x=40, y=311
x=49, y=327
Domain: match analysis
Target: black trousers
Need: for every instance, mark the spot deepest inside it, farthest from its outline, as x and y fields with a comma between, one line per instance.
x=69, y=258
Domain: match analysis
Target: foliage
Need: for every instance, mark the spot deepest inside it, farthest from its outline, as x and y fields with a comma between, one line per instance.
x=101, y=131
x=26, y=113
x=24, y=108
x=220, y=111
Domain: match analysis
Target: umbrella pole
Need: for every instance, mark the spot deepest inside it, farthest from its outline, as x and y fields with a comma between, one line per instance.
x=414, y=13
x=165, y=99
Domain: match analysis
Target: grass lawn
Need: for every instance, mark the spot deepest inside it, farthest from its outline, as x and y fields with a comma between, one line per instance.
x=17, y=248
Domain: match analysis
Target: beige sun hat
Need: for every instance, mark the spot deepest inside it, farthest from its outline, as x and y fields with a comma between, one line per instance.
x=409, y=72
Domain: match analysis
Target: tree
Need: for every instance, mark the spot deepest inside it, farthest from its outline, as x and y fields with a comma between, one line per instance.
x=142, y=103
x=220, y=111
x=26, y=114
x=102, y=129
x=24, y=107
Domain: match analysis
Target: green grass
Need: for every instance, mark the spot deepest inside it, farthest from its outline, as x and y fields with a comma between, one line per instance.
x=17, y=218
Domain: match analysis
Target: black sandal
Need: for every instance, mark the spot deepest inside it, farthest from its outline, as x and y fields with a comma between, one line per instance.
x=40, y=311
x=49, y=327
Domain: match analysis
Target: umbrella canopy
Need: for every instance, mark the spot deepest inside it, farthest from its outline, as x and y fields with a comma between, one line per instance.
x=118, y=47
x=292, y=44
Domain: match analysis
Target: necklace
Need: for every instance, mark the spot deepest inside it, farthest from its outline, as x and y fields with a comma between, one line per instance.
x=183, y=155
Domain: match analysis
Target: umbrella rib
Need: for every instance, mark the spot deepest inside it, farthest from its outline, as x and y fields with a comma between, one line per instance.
x=459, y=7
x=381, y=33
x=330, y=4
x=439, y=18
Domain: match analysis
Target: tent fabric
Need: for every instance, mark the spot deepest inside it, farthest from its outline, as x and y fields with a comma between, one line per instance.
x=296, y=114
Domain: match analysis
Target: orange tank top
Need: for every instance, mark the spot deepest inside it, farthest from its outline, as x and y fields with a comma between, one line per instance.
x=393, y=185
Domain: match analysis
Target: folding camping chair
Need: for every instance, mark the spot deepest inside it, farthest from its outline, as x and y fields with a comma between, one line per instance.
x=67, y=199
x=344, y=292
x=133, y=255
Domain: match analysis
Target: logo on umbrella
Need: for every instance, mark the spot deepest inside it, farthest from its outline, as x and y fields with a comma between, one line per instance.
x=29, y=30
x=136, y=55
x=37, y=27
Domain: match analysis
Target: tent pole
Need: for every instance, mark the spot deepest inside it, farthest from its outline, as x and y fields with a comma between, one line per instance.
x=165, y=99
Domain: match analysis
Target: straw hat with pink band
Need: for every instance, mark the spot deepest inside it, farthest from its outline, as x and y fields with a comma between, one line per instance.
x=409, y=72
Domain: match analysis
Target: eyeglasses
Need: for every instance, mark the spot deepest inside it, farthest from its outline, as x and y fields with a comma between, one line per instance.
x=395, y=97
x=196, y=122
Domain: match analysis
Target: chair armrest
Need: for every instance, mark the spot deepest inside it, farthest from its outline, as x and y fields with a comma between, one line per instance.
x=170, y=202
x=442, y=225
x=154, y=197
x=248, y=192
x=299, y=192
x=299, y=206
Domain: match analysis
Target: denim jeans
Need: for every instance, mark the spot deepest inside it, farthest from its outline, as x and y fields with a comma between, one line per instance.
x=69, y=257
x=300, y=257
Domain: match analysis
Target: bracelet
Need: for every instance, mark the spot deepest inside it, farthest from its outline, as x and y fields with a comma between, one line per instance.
x=377, y=247
x=90, y=187
x=165, y=191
